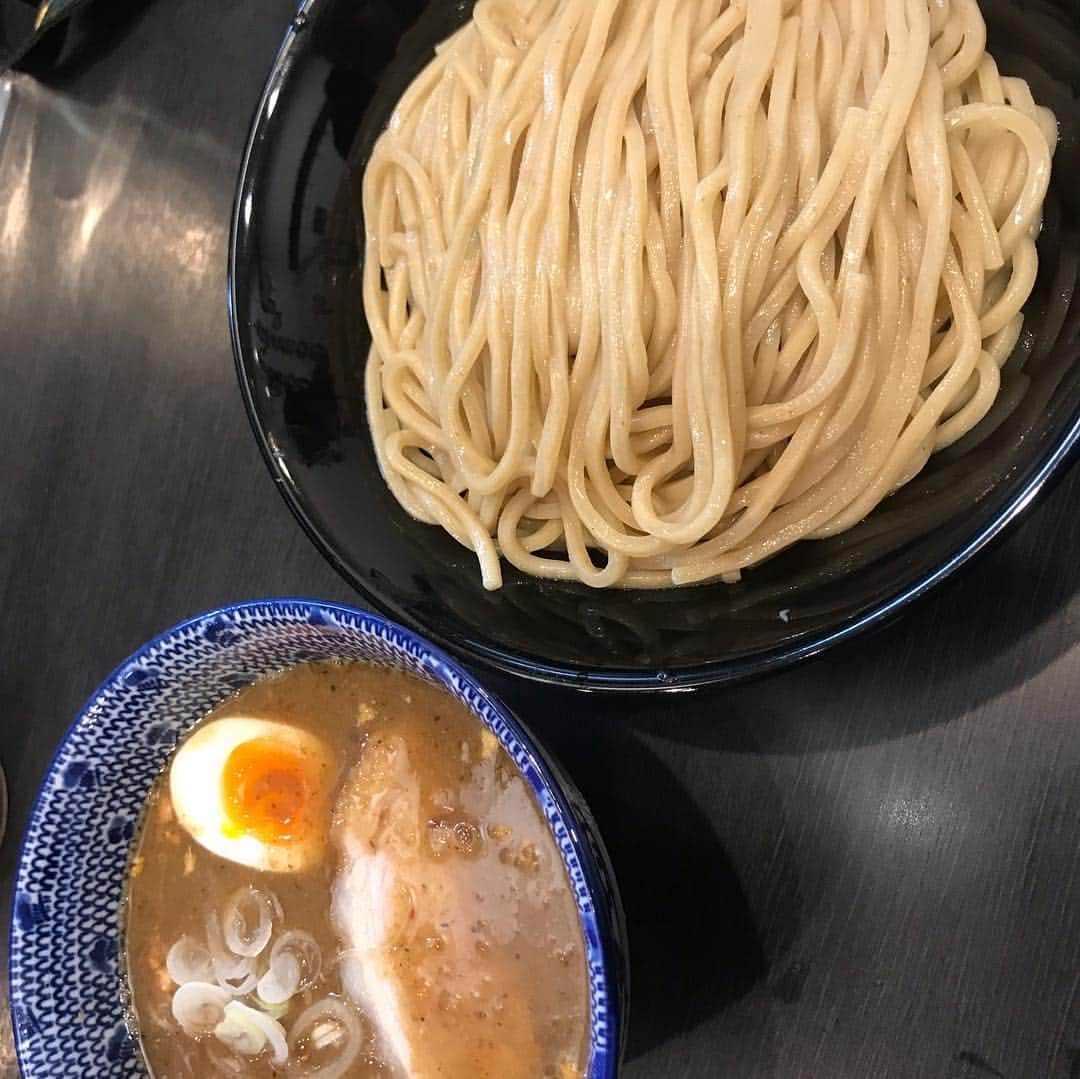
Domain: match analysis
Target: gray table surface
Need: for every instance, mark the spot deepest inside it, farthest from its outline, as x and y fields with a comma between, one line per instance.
x=865, y=867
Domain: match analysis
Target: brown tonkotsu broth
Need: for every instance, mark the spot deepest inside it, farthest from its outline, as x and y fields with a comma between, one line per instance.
x=493, y=987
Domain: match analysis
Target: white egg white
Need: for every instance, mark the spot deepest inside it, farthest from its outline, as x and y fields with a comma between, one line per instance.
x=195, y=786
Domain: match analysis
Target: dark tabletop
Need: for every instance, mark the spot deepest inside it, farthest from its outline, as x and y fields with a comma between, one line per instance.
x=867, y=867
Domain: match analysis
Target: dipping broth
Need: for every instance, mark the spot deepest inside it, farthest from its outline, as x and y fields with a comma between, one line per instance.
x=351, y=878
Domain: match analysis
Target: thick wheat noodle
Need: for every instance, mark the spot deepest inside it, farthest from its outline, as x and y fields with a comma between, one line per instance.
x=659, y=287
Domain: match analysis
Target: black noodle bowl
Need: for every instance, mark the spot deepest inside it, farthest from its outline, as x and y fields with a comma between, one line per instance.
x=301, y=343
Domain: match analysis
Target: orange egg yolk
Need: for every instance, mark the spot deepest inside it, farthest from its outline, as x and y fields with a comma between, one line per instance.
x=269, y=791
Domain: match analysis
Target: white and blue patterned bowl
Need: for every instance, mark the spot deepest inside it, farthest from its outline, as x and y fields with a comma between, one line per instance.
x=66, y=994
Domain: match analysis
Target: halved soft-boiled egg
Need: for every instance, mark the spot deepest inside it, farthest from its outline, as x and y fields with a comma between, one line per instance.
x=255, y=791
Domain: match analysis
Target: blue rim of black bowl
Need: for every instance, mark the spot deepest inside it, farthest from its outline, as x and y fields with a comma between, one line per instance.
x=606, y=924
x=490, y=656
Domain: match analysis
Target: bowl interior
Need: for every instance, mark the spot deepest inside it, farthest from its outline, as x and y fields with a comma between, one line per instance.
x=301, y=344
x=66, y=987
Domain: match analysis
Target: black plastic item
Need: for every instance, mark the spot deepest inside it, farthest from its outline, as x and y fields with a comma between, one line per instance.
x=300, y=342
x=26, y=24
x=16, y=30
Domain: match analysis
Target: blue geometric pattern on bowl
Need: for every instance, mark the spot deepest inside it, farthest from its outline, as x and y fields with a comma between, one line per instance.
x=66, y=994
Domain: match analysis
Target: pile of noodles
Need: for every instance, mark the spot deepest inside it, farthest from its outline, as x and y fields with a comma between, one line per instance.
x=659, y=287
